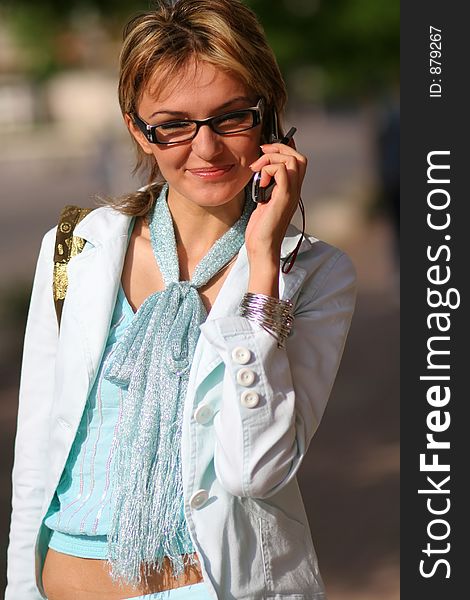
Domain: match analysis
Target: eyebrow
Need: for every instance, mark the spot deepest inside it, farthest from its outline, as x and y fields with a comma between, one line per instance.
x=178, y=113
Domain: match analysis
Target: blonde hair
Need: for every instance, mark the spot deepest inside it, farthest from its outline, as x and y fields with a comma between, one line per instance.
x=161, y=42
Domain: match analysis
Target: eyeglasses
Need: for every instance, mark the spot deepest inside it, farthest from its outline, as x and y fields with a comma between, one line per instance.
x=175, y=132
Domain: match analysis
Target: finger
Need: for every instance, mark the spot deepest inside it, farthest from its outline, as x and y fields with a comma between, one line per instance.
x=287, y=157
x=278, y=171
x=286, y=188
x=277, y=167
x=288, y=148
x=283, y=202
x=289, y=160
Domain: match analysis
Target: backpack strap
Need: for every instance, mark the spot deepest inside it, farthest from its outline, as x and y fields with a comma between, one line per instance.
x=67, y=245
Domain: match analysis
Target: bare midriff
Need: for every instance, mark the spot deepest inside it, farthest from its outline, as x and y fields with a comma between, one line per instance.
x=68, y=577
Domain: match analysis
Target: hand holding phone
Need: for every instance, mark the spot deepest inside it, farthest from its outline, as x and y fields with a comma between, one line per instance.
x=259, y=194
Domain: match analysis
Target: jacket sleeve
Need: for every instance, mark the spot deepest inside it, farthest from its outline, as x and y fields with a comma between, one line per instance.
x=265, y=424
x=35, y=401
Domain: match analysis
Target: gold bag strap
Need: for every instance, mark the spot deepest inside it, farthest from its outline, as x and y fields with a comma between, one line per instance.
x=67, y=245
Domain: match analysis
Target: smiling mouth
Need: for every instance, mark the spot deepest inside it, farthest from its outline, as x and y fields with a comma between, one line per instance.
x=211, y=172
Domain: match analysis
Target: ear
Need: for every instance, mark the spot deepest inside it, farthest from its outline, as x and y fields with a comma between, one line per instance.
x=138, y=135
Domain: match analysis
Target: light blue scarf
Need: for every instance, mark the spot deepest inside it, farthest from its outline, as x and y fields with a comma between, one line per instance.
x=153, y=360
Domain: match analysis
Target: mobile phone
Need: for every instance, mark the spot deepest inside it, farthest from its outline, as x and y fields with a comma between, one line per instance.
x=259, y=194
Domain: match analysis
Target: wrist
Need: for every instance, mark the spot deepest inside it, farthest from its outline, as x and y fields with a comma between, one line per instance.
x=268, y=254
x=264, y=277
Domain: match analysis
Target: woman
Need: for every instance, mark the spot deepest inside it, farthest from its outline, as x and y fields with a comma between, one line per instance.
x=152, y=461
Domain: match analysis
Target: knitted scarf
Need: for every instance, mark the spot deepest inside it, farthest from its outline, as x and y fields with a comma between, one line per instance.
x=152, y=361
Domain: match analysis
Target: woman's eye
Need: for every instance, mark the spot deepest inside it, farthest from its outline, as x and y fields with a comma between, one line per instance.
x=234, y=119
x=175, y=126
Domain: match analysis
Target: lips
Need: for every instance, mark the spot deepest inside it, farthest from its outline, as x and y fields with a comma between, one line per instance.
x=211, y=172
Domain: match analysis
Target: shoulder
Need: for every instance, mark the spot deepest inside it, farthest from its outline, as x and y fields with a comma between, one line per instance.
x=329, y=282
x=320, y=259
x=101, y=223
x=48, y=245
x=96, y=213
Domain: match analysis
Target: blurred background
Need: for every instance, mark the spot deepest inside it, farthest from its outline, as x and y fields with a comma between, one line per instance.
x=63, y=142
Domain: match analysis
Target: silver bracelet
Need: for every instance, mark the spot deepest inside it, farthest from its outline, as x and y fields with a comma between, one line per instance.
x=273, y=315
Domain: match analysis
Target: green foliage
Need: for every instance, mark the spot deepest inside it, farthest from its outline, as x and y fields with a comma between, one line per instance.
x=351, y=45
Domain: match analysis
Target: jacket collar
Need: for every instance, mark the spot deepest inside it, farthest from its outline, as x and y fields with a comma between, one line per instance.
x=291, y=238
x=102, y=225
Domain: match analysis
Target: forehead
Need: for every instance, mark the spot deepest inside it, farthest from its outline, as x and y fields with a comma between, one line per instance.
x=196, y=83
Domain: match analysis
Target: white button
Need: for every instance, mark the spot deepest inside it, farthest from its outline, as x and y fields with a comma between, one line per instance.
x=199, y=498
x=203, y=414
x=241, y=355
x=249, y=399
x=245, y=377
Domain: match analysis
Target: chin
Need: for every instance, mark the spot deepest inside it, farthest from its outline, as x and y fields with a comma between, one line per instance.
x=214, y=194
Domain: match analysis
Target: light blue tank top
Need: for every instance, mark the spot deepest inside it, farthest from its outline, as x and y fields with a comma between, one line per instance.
x=80, y=512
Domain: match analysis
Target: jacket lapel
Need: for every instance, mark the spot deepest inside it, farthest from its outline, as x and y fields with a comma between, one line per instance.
x=93, y=280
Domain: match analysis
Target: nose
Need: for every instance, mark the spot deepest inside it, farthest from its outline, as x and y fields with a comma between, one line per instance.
x=207, y=144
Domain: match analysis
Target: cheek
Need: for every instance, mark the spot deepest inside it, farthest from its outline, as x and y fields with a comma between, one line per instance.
x=169, y=158
x=249, y=152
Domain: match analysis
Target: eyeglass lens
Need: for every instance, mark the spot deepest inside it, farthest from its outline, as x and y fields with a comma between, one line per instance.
x=179, y=131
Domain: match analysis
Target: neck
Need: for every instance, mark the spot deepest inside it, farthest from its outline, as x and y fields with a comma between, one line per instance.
x=197, y=227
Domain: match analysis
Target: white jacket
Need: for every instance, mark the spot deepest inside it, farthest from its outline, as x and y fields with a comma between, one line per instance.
x=240, y=453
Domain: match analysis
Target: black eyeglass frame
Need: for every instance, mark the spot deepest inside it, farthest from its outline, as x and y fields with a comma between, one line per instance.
x=150, y=131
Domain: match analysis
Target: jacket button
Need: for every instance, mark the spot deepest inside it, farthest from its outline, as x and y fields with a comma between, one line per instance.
x=249, y=399
x=245, y=377
x=241, y=355
x=203, y=414
x=199, y=498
